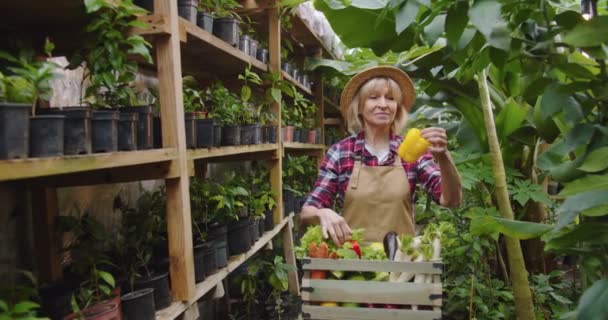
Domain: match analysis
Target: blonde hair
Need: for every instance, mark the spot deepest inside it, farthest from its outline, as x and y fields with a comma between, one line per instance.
x=353, y=114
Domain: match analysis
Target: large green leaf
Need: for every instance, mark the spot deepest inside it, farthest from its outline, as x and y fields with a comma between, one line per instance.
x=588, y=33
x=594, y=302
x=406, y=15
x=486, y=17
x=576, y=204
x=434, y=30
x=455, y=22
x=596, y=161
x=512, y=228
x=510, y=118
x=569, y=239
x=588, y=183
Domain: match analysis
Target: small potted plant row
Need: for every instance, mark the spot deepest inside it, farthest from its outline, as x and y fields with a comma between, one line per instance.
x=299, y=119
x=297, y=74
x=299, y=174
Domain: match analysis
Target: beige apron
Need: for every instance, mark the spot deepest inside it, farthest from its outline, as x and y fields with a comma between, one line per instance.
x=378, y=199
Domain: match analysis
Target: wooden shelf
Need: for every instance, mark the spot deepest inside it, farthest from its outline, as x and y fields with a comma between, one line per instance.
x=302, y=146
x=224, y=153
x=176, y=308
x=330, y=103
x=298, y=85
x=206, y=56
x=43, y=167
x=332, y=121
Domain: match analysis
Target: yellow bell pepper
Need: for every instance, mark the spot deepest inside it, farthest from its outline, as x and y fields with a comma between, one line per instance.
x=413, y=146
x=328, y=304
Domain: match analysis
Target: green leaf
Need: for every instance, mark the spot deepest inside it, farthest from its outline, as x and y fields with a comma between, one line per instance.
x=276, y=94
x=93, y=5
x=3, y=306
x=406, y=15
x=25, y=306
x=107, y=277
x=486, y=17
x=594, y=302
x=574, y=205
x=588, y=33
x=516, y=229
x=435, y=29
x=588, y=183
x=510, y=118
x=245, y=93
x=598, y=211
x=139, y=24
x=456, y=21
x=596, y=161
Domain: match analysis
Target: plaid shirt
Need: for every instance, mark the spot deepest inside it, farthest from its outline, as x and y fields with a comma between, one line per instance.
x=337, y=167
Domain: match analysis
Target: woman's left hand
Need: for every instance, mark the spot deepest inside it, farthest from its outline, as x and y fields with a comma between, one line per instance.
x=438, y=139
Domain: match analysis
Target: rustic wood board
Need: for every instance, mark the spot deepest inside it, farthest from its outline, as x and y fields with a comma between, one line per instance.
x=373, y=292
x=370, y=265
x=341, y=313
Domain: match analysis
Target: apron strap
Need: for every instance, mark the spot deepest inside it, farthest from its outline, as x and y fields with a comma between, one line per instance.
x=354, y=179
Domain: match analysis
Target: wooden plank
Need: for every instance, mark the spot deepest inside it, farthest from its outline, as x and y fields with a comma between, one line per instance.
x=340, y=313
x=41, y=167
x=176, y=308
x=274, y=66
x=370, y=265
x=375, y=292
x=332, y=121
x=179, y=225
x=157, y=25
x=224, y=153
x=150, y=171
x=302, y=146
x=298, y=85
x=221, y=59
x=331, y=104
x=290, y=258
x=47, y=241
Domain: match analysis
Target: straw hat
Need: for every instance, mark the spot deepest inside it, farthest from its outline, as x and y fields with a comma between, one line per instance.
x=396, y=74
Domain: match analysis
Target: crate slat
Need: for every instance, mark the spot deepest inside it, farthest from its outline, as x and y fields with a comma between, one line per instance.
x=428, y=294
x=341, y=313
x=370, y=265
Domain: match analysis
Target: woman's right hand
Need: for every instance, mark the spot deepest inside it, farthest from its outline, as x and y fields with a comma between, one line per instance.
x=334, y=225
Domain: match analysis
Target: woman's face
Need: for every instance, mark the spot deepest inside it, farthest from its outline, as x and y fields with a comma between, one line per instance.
x=380, y=108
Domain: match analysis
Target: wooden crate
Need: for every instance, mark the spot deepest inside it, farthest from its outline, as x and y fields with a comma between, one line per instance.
x=377, y=292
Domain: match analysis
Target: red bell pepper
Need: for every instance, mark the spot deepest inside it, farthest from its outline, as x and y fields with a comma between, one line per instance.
x=356, y=248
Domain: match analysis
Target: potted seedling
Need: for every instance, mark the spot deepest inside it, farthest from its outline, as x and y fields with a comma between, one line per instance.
x=110, y=71
x=205, y=253
x=226, y=22
x=194, y=108
x=204, y=17
x=209, y=226
x=38, y=135
x=18, y=292
x=251, y=131
x=188, y=9
x=227, y=109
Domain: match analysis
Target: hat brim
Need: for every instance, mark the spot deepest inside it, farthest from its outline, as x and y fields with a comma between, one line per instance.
x=399, y=76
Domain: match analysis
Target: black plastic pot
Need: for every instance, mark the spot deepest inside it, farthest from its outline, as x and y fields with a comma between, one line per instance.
x=245, y=43
x=295, y=74
x=257, y=134
x=268, y=221
x=227, y=29
x=46, y=135
x=217, y=135
x=205, y=21
x=262, y=55
x=271, y=133
x=253, y=48
x=303, y=135
x=76, y=129
x=287, y=202
x=239, y=240
x=231, y=136
x=296, y=135
x=204, y=133
x=104, y=131
x=306, y=81
x=127, y=131
x=254, y=233
x=145, y=126
x=160, y=284
x=157, y=133
x=261, y=227
x=55, y=300
x=318, y=136
x=218, y=236
x=247, y=134
x=146, y=4
x=286, y=66
x=14, y=130
x=187, y=9
x=205, y=262
x=190, y=119
x=138, y=305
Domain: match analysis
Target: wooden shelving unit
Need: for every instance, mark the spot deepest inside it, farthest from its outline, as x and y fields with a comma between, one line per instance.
x=332, y=121
x=180, y=48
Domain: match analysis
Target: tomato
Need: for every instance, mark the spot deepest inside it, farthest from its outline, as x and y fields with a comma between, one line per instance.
x=318, y=274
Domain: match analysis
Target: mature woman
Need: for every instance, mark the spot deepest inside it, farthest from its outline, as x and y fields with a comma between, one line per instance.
x=376, y=185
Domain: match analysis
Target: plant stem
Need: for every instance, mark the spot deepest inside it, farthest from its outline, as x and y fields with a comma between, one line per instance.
x=524, y=308
x=503, y=267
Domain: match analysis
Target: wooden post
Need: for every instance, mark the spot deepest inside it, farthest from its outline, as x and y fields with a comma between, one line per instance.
x=47, y=241
x=179, y=225
x=274, y=64
x=290, y=258
x=320, y=102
